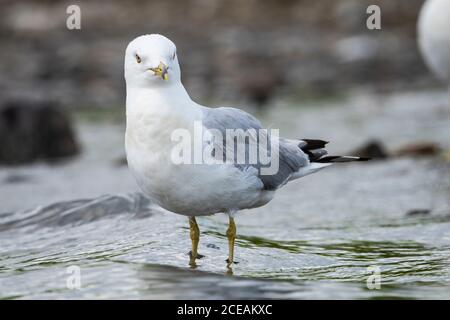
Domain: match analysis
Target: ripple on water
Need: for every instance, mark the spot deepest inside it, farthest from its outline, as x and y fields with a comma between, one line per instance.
x=128, y=248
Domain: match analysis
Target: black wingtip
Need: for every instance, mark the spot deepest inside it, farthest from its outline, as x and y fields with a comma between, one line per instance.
x=313, y=144
x=329, y=159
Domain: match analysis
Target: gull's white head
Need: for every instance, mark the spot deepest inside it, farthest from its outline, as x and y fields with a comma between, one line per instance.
x=151, y=60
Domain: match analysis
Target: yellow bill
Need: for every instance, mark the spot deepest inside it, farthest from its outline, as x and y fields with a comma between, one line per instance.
x=161, y=71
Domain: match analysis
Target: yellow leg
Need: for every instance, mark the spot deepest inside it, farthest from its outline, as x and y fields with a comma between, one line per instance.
x=231, y=235
x=195, y=237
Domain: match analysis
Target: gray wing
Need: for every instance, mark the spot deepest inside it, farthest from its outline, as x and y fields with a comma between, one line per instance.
x=291, y=157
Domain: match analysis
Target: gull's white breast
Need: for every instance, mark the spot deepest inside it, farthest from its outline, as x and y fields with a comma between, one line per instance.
x=199, y=189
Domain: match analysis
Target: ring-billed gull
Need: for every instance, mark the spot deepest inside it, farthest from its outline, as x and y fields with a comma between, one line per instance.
x=433, y=29
x=158, y=106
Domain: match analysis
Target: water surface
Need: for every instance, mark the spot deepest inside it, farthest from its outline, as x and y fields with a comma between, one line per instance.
x=317, y=239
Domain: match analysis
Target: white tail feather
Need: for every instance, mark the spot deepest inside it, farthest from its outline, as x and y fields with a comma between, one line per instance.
x=311, y=168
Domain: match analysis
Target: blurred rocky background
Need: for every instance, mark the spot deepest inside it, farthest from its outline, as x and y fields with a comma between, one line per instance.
x=31, y=130
x=309, y=67
x=230, y=51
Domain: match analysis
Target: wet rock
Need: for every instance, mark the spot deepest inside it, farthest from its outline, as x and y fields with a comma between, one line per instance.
x=259, y=85
x=17, y=178
x=32, y=130
x=418, y=149
x=376, y=150
x=121, y=161
x=417, y=212
x=373, y=149
x=447, y=155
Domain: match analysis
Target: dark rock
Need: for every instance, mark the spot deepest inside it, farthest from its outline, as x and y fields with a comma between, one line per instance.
x=121, y=161
x=35, y=130
x=416, y=212
x=373, y=149
x=418, y=149
x=212, y=246
x=16, y=178
x=259, y=84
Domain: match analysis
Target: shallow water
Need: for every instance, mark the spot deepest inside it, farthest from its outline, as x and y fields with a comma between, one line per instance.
x=316, y=239
x=127, y=248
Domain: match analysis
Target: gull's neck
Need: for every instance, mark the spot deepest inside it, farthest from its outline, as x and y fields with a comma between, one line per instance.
x=164, y=91
x=167, y=105
x=167, y=97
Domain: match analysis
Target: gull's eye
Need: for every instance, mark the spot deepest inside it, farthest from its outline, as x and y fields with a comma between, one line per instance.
x=138, y=59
